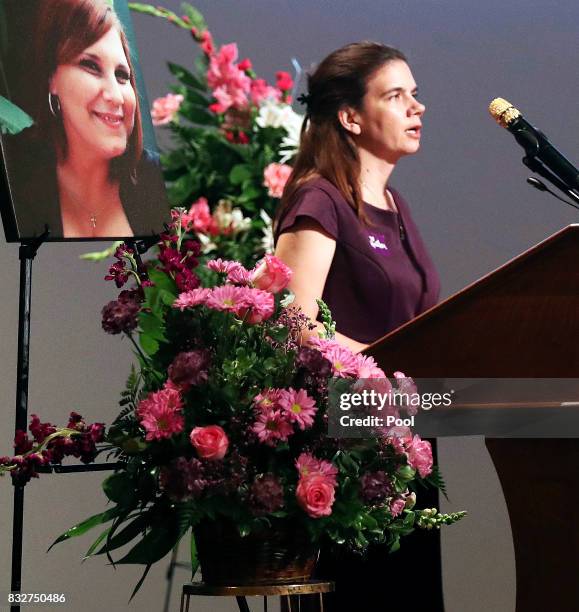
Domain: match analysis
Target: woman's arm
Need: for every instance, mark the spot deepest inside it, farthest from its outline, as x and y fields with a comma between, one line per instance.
x=308, y=250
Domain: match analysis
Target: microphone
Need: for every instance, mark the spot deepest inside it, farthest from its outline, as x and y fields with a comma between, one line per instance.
x=535, y=143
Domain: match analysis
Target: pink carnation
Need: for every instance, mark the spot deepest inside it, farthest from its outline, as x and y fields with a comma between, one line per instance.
x=164, y=109
x=261, y=91
x=299, y=407
x=190, y=299
x=257, y=305
x=315, y=495
x=160, y=414
x=307, y=465
x=397, y=505
x=199, y=218
x=419, y=453
x=275, y=177
x=210, y=442
x=271, y=426
x=271, y=274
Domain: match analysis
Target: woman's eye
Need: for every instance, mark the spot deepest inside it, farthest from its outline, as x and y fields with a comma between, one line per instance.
x=90, y=65
x=122, y=76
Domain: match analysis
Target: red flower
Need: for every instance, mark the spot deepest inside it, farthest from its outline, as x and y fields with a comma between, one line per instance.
x=245, y=64
x=210, y=442
x=284, y=80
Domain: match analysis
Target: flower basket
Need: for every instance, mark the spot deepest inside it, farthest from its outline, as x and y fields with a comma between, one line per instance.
x=278, y=553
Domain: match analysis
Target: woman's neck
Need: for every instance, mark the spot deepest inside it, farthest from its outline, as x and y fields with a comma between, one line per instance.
x=374, y=176
x=84, y=176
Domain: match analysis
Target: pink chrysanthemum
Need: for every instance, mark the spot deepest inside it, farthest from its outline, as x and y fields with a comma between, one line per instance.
x=160, y=414
x=190, y=299
x=367, y=367
x=307, y=465
x=258, y=306
x=299, y=407
x=223, y=266
x=343, y=360
x=228, y=297
x=239, y=276
x=267, y=400
x=272, y=426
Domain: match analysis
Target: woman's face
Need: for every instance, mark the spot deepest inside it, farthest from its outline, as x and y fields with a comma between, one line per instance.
x=97, y=99
x=390, y=119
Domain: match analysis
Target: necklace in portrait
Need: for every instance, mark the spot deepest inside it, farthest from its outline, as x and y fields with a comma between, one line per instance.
x=92, y=214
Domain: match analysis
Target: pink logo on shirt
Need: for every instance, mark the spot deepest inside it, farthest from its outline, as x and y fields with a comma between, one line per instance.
x=378, y=243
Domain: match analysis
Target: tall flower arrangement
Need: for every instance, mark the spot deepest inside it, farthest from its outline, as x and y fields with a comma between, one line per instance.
x=234, y=138
x=225, y=417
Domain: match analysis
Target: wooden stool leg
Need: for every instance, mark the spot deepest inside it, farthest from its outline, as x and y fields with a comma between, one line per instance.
x=242, y=603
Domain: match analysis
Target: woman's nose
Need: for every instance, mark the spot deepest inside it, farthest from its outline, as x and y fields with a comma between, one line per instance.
x=112, y=91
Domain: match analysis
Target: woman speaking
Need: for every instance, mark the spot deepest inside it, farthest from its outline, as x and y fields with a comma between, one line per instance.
x=87, y=173
x=350, y=240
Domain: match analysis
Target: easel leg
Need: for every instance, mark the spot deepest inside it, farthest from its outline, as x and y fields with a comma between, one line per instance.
x=242, y=603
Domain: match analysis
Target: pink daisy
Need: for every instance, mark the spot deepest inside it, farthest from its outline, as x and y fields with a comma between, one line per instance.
x=190, y=299
x=367, y=367
x=342, y=359
x=160, y=414
x=308, y=465
x=239, y=276
x=271, y=426
x=227, y=297
x=299, y=407
x=259, y=306
x=223, y=266
x=267, y=400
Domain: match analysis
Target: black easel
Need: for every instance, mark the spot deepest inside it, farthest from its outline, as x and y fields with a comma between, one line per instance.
x=27, y=253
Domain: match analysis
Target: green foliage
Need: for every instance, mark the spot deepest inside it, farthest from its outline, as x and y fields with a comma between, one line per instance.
x=12, y=118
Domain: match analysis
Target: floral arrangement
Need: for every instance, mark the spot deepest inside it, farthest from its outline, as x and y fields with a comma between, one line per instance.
x=235, y=136
x=225, y=417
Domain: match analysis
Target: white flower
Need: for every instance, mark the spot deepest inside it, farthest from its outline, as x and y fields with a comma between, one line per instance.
x=230, y=220
x=276, y=114
x=267, y=238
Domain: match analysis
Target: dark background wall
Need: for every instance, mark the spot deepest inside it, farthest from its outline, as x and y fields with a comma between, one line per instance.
x=468, y=194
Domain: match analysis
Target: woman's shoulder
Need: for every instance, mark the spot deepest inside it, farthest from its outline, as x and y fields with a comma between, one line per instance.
x=322, y=188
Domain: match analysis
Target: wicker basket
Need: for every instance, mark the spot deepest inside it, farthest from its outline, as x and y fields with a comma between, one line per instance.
x=278, y=554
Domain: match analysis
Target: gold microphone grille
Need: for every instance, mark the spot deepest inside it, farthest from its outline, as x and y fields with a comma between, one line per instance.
x=504, y=112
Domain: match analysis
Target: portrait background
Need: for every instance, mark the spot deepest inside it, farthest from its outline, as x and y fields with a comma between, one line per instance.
x=16, y=77
x=469, y=198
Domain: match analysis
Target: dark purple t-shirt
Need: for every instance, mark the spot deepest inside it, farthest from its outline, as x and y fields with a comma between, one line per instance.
x=381, y=275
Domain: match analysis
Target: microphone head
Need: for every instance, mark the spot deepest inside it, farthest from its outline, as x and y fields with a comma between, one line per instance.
x=503, y=112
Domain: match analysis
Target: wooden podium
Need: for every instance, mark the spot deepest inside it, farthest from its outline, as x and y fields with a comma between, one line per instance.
x=520, y=321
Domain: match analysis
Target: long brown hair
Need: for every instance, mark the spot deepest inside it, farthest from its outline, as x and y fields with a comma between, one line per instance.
x=63, y=30
x=326, y=148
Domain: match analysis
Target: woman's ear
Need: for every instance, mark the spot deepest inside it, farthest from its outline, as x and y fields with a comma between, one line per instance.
x=349, y=120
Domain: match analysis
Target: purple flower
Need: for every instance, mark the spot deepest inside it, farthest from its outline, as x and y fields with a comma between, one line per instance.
x=120, y=316
x=266, y=495
x=190, y=368
x=183, y=479
x=118, y=273
x=314, y=362
x=375, y=486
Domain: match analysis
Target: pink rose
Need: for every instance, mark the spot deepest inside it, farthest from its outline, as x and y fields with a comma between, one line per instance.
x=165, y=108
x=419, y=453
x=275, y=176
x=271, y=274
x=315, y=495
x=210, y=442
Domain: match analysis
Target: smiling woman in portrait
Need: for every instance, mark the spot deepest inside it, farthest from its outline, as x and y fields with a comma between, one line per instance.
x=89, y=174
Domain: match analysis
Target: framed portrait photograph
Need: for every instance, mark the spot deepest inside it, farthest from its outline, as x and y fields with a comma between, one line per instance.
x=78, y=148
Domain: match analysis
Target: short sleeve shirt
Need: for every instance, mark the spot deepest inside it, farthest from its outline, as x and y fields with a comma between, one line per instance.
x=381, y=275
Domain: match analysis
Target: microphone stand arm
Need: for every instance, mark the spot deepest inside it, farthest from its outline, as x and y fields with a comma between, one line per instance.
x=536, y=166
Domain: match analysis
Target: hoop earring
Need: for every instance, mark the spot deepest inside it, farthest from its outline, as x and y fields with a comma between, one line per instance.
x=54, y=102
